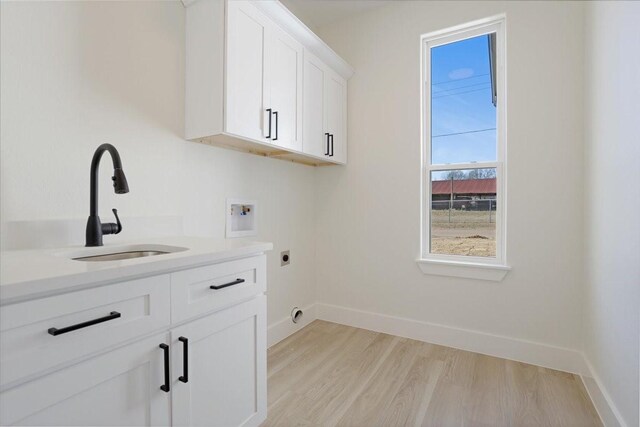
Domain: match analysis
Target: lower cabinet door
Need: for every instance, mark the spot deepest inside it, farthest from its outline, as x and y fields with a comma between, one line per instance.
x=224, y=379
x=118, y=388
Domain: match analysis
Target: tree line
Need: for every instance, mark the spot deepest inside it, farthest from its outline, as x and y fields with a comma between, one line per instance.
x=458, y=175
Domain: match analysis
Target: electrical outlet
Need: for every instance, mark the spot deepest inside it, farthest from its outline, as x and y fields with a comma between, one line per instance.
x=285, y=258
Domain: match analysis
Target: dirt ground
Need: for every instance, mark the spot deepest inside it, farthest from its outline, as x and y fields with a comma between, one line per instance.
x=468, y=233
x=469, y=246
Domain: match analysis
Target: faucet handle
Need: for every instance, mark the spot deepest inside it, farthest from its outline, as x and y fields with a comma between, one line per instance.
x=110, y=227
x=118, y=223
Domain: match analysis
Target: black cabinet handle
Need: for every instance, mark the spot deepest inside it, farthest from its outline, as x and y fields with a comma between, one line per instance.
x=275, y=113
x=269, y=134
x=166, y=386
x=331, y=136
x=185, y=360
x=56, y=331
x=235, y=282
x=327, y=135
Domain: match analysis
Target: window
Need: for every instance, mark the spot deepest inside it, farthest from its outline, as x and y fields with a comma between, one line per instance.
x=463, y=164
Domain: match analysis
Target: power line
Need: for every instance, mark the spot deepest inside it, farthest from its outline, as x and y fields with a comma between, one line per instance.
x=440, y=90
x=463, y=133
x=459, y=80
x=460, y=93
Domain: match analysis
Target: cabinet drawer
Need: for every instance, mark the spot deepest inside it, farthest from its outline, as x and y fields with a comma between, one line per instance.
x=40, y=334
x=192, y=293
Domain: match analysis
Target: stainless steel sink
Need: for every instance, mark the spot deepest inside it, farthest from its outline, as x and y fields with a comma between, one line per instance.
x=120, y=256
x=120, y=252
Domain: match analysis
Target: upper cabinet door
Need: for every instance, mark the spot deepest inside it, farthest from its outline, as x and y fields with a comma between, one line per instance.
x=246, y=90
x=284, y=74
x=336, y=116
x=315, y=138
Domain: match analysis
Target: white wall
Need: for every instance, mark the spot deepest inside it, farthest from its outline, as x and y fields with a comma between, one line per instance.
x=612, y=225
x=78, y=74
x=368, y=213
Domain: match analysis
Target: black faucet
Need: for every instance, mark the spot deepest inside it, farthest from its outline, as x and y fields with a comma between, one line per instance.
x=95, y=229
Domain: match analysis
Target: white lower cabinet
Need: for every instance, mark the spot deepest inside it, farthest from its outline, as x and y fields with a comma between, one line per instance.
x=207, y=368
x=118, y=388
x=223, y=382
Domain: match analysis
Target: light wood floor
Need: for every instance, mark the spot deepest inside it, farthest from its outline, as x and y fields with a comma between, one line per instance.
x=334, y=375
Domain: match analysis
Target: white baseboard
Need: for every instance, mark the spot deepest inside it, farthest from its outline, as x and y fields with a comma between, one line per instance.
x=282, y=328
x=601, y=399
x=534, y=353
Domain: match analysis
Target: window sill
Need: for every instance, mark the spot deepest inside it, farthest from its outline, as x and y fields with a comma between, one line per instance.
x=468, y=270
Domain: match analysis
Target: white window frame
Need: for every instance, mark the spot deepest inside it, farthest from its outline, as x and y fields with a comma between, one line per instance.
x=487, y=268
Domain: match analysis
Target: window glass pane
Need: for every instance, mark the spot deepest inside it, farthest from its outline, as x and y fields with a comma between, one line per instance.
x=463, y=212
x=463, y=114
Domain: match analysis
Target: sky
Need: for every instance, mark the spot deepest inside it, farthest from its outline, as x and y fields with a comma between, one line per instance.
x=461, y=102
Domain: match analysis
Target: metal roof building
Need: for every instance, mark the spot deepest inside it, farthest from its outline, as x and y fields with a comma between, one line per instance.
x=484, y=187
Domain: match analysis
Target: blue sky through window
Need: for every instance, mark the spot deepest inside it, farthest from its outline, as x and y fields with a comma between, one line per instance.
x=463, y=117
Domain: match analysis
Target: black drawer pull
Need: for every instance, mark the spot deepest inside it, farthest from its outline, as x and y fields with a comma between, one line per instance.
x=56, y=331
x=166, y=387
x=185, y=360
x=235, y=282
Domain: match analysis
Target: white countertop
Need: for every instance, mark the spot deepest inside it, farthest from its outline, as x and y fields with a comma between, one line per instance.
x=29, y=273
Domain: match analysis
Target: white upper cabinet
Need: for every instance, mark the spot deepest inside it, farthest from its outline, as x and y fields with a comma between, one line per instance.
x=264, y=79
x=336, y=113
x=325, y=112
x=246, y=65
x=284, y=76
x=315, y=137
x=247, y=87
